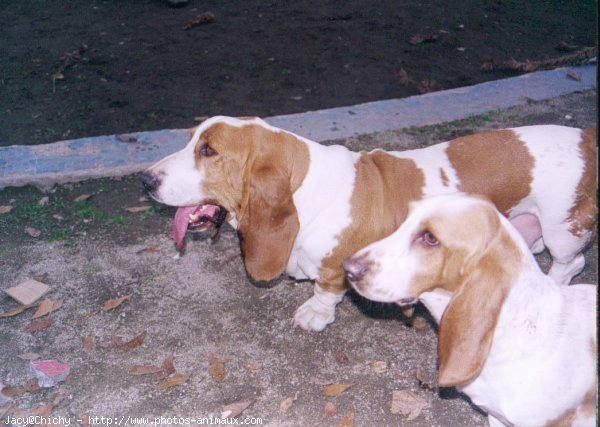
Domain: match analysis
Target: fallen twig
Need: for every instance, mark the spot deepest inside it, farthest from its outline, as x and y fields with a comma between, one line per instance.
x=530, y=66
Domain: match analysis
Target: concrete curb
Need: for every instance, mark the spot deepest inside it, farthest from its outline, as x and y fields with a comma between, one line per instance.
x=101, y=156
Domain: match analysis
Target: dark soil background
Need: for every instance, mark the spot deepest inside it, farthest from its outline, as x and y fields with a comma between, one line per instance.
x=84, y=68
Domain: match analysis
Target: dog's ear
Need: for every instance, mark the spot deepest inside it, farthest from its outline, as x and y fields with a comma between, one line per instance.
x=469, y=322
x=269, y=223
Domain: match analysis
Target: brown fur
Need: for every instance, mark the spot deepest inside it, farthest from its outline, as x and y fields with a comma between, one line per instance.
x=584, y=212
x=501, y=158
x=587, y=409
x=271, y=167
x=465, y=335
x=444, y=177
x=383, y=188
x=475, y=261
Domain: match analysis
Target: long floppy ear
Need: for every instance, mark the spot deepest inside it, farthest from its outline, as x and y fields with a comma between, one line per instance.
x=269, y=224
x=468, y=324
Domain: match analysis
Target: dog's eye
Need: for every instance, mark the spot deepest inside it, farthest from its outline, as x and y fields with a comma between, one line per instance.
x=429, y=239
x=206, y=151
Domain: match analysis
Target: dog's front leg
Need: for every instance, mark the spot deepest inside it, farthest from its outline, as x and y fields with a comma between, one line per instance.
x=319, y=311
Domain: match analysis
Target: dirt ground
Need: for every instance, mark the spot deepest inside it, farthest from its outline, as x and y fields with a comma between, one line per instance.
x=233, y=339
x=85, y=68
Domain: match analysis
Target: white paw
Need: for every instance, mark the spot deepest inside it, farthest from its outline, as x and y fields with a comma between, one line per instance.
x=314, y=315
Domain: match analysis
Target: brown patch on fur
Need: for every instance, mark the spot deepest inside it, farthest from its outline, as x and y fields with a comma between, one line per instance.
x=564, y=420
x=584, y=212
x=477, y=261
x=468, y=325
x=587, y=409
x=254, y=175
x=383, y=188
x=444, y=177
x=496, y=164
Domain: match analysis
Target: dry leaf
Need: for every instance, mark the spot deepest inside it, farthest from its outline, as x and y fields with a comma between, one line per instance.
x=28, y=292
x=216, y=369
x=82, y=197
x=150, y=248
x=347, y=421
x=17, y=310
x=29, y=356
x=85, y=420
x=427, y=85
x=115, y=340
x=565, y=47
x=32, y=385
x=329, y=409
x=419, y=323
x=134, y=343
x=10, y=391
x=4, y=209
x=423, y=38
x=126, y=138
x=319, y=381
x=286, y=404
x=379, y=366
x=203, y=18
x=336, y=389
x=37, y=325
x=426, y=382
x=174, y=380
x=33, y=232
x=88, y=343
x=403, y=77
x=236, y=408
x=43, y=410
x=408, y=310
x=5, y=408
x=168, y=366
x=408, y=403
x=136, y=209
x=144, y=369
x=46, y=307
x=58, y=396
x=253, y=367
x=43, y=278
x=488, y=65
x=111, y=304
x=573, y=75
x=341, y=358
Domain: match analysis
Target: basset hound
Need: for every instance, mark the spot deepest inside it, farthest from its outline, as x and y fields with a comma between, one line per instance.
x=302, y=208
x=521, y=346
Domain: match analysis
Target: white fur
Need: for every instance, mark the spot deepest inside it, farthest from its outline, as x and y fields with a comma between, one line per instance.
x=541, y=361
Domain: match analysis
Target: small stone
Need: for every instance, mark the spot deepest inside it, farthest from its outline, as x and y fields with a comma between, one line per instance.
x=49, y=372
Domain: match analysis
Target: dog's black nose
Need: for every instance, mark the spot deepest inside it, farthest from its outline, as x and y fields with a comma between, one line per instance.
x=150, y=181
x=356, y=268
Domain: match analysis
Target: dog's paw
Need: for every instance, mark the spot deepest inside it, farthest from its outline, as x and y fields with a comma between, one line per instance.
x=313, y=315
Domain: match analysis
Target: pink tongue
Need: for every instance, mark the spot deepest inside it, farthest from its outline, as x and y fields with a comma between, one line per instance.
x=182, y=221
x=180, y=226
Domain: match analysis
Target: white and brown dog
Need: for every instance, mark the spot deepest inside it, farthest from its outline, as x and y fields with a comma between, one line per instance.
x=522, y=347
x=302, y=207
